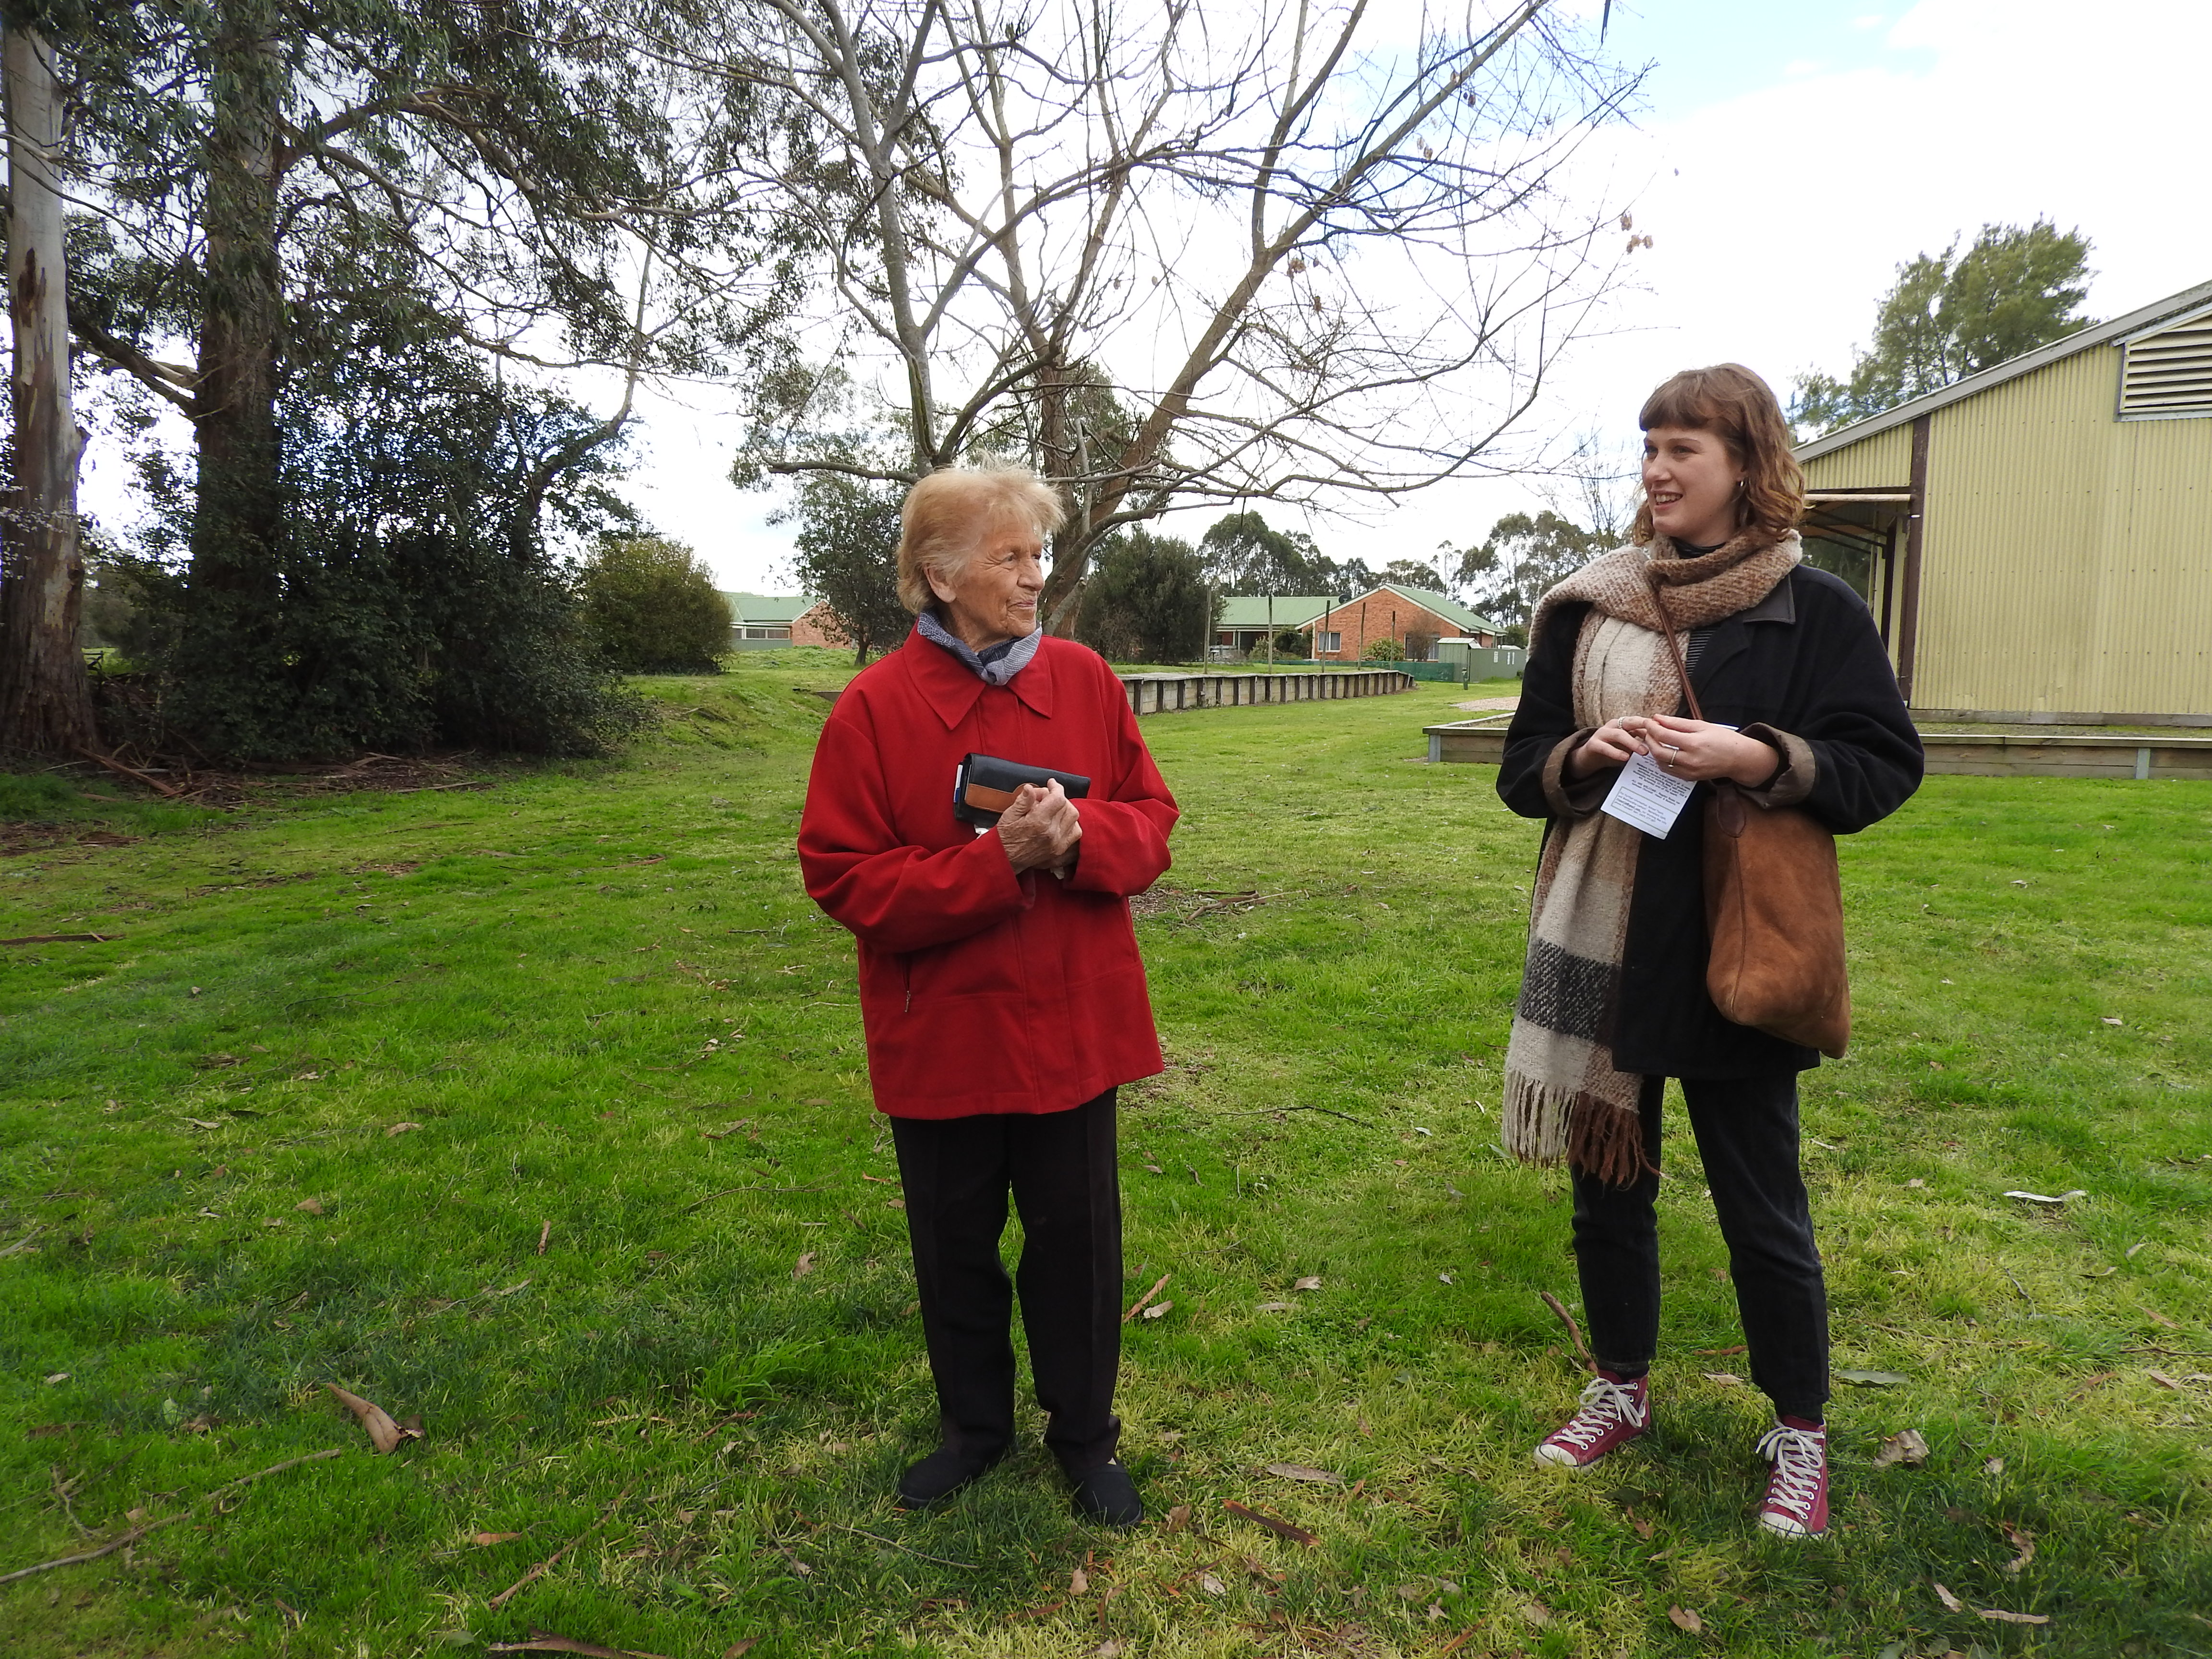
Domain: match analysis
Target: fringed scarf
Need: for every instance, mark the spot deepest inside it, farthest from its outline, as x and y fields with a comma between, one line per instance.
x=1563, y=1096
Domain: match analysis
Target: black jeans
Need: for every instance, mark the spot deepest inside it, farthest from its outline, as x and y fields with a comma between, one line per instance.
x=1060, y=1168
x=1746, y=1130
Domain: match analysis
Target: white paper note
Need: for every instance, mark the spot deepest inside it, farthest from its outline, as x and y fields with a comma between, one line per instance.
x=1647, y=797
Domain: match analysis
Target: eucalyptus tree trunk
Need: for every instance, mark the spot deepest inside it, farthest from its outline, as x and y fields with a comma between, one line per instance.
x=238, y=523
x=45, y=703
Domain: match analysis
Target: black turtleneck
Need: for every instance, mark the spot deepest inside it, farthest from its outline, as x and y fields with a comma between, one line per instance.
x=1696, y=648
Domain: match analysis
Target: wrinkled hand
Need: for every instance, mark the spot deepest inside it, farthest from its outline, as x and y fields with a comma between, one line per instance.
x=1039, y=830
x=1696, y=750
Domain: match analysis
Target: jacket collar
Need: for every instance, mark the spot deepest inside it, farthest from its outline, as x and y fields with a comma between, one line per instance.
x=951, y=687
x=1729, y=639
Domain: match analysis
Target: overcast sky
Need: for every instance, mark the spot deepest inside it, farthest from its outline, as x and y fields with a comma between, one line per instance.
x=1791, y=157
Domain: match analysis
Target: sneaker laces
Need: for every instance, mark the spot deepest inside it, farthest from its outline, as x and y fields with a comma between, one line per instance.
x=1800, y=1457
x=1605, y=1402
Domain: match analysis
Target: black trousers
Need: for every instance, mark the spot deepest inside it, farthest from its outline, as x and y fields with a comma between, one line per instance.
x=1746, y=1130
x=1060, y=1168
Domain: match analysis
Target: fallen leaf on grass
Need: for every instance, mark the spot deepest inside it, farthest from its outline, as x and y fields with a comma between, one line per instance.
x=2044, y=1198
x=400, y=1129
x=738, y=1650
x=383, y=1432
x=2003, y=1617
x=2159, y=1377
x=1311, y=1282
x=2170, y=1324
x=494, y=1537
x=58, y=1377
x=1874, y=1379
x=1301, y=1472
x=1685, y=1618
x=543, y=1642
x=1212, y=1585
x=2110, y=1020
x=1951, y=1603
x=1719, y=1353
x=1106, y=1650
x=2022, y=1541
x=309, y=1207
x=1726, y=1379
x=45, y=1429
x=1079, y=1583
x=201, y=1123
x=1297, y=1534
x=1158, y=1310
x=1274, y=1306
x=805, y=1266
x=1995, y=1466
x=1907, y=1446
x=1178, y=1517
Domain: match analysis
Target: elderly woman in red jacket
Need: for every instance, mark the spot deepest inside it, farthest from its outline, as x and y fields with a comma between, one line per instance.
x=1001, y=987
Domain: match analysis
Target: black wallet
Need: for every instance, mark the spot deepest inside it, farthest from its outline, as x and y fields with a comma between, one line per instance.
x=983, y=786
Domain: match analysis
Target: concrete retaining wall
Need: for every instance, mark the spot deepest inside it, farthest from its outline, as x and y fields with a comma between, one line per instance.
x=1972, y=754
x=1156, y=694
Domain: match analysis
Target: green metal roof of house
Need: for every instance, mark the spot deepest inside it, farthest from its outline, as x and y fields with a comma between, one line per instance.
x=1292, y=610
x=768, y=607
x=1442, y=604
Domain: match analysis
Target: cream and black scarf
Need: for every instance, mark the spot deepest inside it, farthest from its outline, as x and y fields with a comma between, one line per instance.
x=1563, y=1096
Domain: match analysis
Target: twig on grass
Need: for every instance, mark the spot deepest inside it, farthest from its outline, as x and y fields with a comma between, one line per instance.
x=1270, y=1111
x=24, y=1242
x=1574, y=1336
x=606, y=1515
x=1138, y=1306
x=62, y=939
x=726, y=1191
x=543, y=1643
x=925, y=1555
x=121, y=770
x=61, y=1496
x=184, y=1514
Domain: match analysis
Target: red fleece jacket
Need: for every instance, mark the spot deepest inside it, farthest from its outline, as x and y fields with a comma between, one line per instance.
x=983, y=990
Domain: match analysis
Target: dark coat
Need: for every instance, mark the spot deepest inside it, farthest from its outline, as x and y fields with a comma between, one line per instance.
x=983, y=990
x=1804, y=664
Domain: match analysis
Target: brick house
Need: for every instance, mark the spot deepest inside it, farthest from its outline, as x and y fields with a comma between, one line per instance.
x=771, y=622
x=1414, y=616
x=1243, y=624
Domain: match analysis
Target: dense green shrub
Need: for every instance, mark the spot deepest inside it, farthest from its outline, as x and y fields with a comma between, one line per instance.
x=1146, y=600
x=650, y=605
x=1384, y=651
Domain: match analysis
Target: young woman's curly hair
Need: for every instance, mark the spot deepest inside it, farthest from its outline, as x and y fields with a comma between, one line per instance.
x=1737, y=407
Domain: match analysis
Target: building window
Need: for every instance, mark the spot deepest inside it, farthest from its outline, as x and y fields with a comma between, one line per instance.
x=1326, y=643
x=751, y=633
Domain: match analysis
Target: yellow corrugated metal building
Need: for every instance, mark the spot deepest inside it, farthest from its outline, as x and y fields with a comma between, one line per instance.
x=2036, y=540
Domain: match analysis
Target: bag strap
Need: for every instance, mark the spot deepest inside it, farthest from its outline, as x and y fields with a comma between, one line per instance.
x=1667, y=626
x=1728, y=801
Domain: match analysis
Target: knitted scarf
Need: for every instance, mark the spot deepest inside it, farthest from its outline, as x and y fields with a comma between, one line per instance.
x=996, y=664
x=1563, y=1096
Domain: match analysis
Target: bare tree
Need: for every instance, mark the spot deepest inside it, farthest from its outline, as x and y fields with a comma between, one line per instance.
x=1172, y=260
x=45, y=705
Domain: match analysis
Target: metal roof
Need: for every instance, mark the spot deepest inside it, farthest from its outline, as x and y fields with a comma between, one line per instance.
x=1292, y=610
x=768, y=607
x=2107, y=333
x=1442, y=604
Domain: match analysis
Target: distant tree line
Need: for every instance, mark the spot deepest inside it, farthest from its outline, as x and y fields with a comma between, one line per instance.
x=402, y=271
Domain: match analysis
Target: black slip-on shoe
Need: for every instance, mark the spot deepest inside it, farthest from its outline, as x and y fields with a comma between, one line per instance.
x=1106, y=1493
x=942, y=1473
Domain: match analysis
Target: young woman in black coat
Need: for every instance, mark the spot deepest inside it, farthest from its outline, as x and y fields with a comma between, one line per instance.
x=1801, y=710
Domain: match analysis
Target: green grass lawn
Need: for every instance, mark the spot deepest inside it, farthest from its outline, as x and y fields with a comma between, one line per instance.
x=540, y=1113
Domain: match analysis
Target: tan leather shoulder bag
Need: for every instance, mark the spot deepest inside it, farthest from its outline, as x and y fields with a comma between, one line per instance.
x=1774, y=909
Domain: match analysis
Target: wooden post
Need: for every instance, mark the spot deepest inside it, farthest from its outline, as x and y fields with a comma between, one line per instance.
x=1908, y=621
